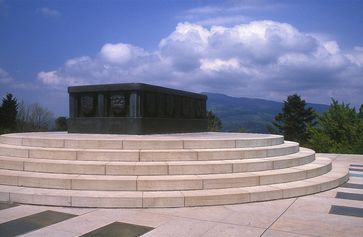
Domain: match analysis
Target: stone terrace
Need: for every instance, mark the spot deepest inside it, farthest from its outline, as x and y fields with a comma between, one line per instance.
x=174, y=170
x=336, y=212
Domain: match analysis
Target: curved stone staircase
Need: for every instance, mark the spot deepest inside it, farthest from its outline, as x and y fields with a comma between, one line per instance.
x=89, y=170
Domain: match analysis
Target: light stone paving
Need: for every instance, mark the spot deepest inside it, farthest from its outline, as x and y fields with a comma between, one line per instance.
x=292, y=217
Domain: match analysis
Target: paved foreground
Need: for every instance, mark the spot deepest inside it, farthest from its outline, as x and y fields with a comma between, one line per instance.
x=337, y=212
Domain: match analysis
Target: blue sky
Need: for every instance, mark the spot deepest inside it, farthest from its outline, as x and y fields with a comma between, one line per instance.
x=247, y=48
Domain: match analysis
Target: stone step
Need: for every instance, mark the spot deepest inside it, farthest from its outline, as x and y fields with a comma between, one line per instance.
x=145, y=142
x=142, y=199
x=148, y=155
x=163, y=182
x=312, y=185
x=304, y=156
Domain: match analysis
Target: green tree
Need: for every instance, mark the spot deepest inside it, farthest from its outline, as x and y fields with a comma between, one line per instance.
x=240, y=130
x=339, y=130
x=61, y=124
x=360, y=114
x=33, y=117
x=8, y=112
x=214, y=123
x=294, y=120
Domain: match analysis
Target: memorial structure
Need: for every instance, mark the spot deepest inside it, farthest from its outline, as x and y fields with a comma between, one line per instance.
x=183, y=167
x=135, y=108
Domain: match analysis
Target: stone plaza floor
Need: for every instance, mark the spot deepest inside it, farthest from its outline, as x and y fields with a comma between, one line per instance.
x=337, y=212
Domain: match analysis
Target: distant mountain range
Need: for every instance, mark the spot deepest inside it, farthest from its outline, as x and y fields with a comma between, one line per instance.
x=253, y=115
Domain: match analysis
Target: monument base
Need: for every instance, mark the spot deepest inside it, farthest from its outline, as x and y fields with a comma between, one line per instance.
x=135, y=126
x=163, y=170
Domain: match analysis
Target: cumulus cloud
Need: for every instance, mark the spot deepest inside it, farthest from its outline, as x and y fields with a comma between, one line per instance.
x=356, y=56
x=5, y=78
x=49, y=78
x=218, y=65
x=223, y=20
x=7, y=82
x=263, y=59
x=120, y=53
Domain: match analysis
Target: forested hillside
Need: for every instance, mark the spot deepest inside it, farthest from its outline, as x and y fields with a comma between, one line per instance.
x=252, y=115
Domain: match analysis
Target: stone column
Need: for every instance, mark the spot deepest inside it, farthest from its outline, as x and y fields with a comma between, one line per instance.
x=72, y=106
x=100, y=105
x=134, y=108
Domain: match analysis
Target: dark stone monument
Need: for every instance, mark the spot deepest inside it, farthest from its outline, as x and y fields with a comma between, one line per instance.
x=135, y=108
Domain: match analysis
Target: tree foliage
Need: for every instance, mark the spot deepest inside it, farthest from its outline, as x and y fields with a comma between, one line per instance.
x=360, y=113
x=33, y=117
x=214, y=123
x=8, y=113
x=61, y=124
x=339, y=130
x=294, y=120
x=240, y=130
x=20, y=117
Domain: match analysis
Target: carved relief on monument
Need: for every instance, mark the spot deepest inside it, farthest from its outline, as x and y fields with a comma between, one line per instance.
x=87, y=105
x=118, y=104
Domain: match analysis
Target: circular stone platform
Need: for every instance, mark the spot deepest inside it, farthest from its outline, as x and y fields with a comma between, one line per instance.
x=175, y=170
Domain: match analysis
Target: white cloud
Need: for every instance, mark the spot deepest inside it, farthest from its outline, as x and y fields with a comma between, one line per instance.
x=8, y=82
x=228, y=13
x=332, y=47
x=77, y=61
x=5, y=78
x=263, y=59
x=48, y=12
x=223, y=20
x=49, y=78
x=116, y=53
x=219, y=65
x=356, y=56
